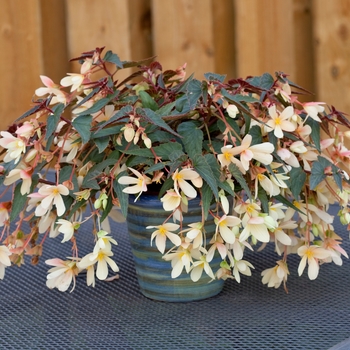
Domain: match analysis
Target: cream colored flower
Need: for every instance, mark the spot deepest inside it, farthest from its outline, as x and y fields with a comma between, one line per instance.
x=53, y=195
x=227, y=225
x=199, y=266
x=180, y=178
x=62, y=274
x=241, y=267
x=102, y=258
x=257, y=228
x=4, y=260
x=312, y=254
x=67, y=228
x=162, y=233
x=139, y=184
x=15, y=147
x=74, y=80
x=280, y=122
x=23, y=173
x=180, y=259
x=171, y=200
x=274, y=276
x=260, y=152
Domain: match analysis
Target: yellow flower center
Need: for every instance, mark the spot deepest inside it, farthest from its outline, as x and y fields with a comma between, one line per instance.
x=260, y=177
x=297, y=204
x=227, y=155
x=250, y=209
x=178, y=177
x=162, y=230
x=278, y=121
x=309, y=253
x=55, y=192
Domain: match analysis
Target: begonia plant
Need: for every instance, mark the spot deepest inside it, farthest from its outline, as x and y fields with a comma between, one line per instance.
x=271, y=165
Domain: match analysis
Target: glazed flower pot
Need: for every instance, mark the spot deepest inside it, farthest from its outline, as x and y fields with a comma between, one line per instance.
x=153, y=272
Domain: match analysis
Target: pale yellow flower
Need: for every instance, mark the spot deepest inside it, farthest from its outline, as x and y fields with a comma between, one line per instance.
x=311, y=254
x=4, y=260
x=227, y=225
x=280, y=122
x=180, y=178
x=53, y=195
x=139, y=184
x=162, y=233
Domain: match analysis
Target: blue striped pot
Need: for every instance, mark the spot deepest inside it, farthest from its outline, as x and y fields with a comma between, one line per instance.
x=154, y=273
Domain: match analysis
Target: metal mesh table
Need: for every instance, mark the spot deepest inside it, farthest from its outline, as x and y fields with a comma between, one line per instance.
x=114, y=315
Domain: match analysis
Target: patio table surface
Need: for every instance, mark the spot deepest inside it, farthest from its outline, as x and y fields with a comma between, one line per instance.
x=114, y=315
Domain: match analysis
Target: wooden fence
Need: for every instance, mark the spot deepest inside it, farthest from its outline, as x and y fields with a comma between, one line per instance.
x=308, y=39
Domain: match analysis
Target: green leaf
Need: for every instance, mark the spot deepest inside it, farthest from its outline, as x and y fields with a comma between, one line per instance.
x=194, y=92
x=337, y=177
x=99, y=104
x=315, y=132
x=83, y=125
x=297, y=181
x=215, y=77
x=157, y=120
x=87, y=98
x=207, y=196
x=255, y=132
x=90, y=178
x=18, y=202
x=236, y=173
x=108, y=208
x=165, y=149
x=122, y=196
x=192, y=138
x=264, y=81
x=263, y=199
x=155, y=167
x=166, y=109
x=317, y=175
x=113, y=130
x=53, y=119
x=148, y=101
x=113, y=58
x=101, y=143
x=203, y=169
x=66, y=174
x=124, y=111
x=215, y=168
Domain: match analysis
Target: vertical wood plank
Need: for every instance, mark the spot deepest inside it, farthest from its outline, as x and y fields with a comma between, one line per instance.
x=264, y=37
x=331, y=20
x=54, y=39
x=303, y=46
x=140, y=26
x=224, y=38
x=32, y=44
x=183, y=32
x=98, y=23
x=21, y=61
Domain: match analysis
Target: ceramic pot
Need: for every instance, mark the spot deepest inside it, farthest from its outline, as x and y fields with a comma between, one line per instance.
x=153, y=272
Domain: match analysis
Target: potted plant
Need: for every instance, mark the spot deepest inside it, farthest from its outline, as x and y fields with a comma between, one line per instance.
x=229, y=166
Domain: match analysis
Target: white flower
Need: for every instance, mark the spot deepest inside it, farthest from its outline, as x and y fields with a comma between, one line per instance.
x=53, y=195
x=139, y=184
x=102, y=258
x=256, y=227
x=223, y=226
x=15, y=147
x=74, y=80
x=232, y=111
x=62, y=274
x=67, y=228
x=162, y=233
x=4, y=260
x=21, y=172
x=281, y=122
x=180, y=178
x=274, y=276
x=198, y=267
x=243, y=267
x=311, y=254
x=180, y=259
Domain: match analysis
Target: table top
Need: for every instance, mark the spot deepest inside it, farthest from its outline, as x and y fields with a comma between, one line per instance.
x=114, y=315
